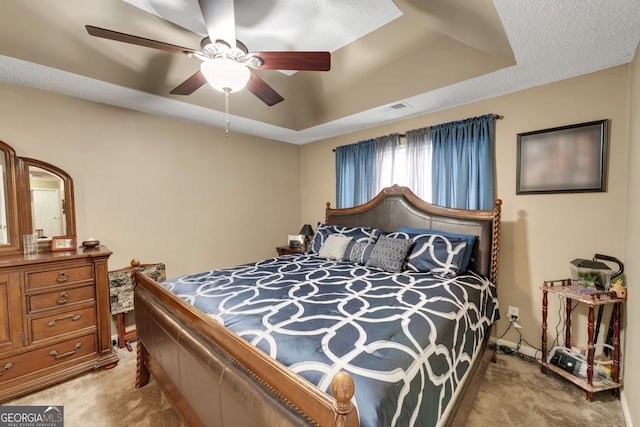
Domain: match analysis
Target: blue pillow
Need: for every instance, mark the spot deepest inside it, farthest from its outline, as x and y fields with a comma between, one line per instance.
x=437, y=254
x=323, y=231
x=471, y=240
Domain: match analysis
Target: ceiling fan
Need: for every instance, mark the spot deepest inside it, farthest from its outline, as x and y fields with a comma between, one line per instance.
x=227, y=64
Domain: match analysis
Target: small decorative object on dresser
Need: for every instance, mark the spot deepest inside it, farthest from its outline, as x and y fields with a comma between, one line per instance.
x=54, y=301
x=30, y=244
x=63, y=243
x=91, y=242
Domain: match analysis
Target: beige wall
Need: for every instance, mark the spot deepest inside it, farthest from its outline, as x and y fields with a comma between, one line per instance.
x=158, y=189
x=164, y=190
x=632, y=251
x=541, y=234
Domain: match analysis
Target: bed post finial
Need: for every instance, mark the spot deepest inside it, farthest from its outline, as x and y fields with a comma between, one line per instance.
x=135, y=262
x=342, y=389
x=326, y=213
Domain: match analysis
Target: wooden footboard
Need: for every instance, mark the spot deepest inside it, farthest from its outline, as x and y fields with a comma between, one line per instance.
x=209, y=387
x=212, y=377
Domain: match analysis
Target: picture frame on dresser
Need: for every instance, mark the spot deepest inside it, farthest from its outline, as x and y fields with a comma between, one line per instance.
x=63, y=243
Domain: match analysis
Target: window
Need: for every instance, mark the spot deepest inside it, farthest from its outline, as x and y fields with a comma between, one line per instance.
x=450, y=165
x=406, y=163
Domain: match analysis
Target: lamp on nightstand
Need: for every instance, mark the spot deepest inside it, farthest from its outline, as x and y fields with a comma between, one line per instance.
x=307, y=232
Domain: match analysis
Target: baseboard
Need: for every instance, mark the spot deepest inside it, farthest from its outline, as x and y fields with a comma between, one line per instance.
x=625, y=408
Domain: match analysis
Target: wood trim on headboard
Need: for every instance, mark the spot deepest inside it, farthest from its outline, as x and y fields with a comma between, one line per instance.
x=495, y=243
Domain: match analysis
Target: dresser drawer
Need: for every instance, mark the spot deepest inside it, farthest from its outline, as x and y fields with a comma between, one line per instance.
x=61, y=323
x=24, y=363
x=66, y=297
x=58, y=276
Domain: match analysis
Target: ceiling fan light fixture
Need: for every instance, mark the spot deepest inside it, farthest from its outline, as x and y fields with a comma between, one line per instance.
x=225, y=74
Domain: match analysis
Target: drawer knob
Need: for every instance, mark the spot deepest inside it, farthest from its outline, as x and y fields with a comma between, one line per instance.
x=6, y=368
x=63, y=298
x=55, y=354
x=73, y=318
x=63, y=276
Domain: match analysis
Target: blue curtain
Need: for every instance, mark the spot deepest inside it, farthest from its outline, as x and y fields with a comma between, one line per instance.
x=355, y=173
x=462, y=170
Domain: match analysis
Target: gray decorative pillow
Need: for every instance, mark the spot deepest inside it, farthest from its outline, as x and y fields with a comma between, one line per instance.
x=388, y=254
x=334, y=247
x=360, y=252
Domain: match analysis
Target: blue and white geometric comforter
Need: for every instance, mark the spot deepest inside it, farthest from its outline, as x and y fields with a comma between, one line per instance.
x=407, y=339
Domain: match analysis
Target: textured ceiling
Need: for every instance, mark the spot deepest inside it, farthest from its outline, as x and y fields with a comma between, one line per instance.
x=428, y=56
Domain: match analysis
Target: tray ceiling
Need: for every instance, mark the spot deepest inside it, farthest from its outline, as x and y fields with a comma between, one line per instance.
x=390, y=60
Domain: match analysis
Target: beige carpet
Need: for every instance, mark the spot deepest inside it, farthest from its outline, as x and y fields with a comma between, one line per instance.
x=107, y=398
x=515, y=393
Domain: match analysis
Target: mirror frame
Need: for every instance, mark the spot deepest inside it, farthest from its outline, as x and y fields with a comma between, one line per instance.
x=11, y=202
x=24, y=192
x=18, y=200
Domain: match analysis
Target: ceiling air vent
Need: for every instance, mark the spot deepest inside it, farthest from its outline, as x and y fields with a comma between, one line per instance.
x=398, y=106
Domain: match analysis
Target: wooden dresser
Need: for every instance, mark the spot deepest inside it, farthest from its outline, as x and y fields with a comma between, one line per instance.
x=54, y=318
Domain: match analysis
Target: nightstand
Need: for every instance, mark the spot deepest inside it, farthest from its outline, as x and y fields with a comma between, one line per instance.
x=286, y=250
x=573, y=295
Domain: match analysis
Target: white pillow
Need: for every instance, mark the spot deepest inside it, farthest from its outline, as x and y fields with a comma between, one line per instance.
x=334, y=247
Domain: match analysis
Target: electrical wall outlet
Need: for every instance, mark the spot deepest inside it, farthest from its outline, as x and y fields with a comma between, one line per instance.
x=514, y=313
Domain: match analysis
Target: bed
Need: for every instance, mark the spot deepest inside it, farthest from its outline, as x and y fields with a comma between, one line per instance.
x=362, y=329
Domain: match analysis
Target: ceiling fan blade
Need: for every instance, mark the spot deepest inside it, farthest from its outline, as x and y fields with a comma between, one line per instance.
x=190, y=85
x=262, y=90
x=219, y=17
x=140, y=41
x=306, y=61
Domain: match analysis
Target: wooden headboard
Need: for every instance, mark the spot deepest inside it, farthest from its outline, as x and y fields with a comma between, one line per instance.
x=396, y=207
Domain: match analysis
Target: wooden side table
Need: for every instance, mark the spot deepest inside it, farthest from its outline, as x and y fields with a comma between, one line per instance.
x=286, y=250
x=564, y=289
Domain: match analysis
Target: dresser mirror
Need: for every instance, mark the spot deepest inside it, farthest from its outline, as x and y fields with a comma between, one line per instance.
x=4, y=238
x=10, y=231
x=48, y=187
x=37, y=198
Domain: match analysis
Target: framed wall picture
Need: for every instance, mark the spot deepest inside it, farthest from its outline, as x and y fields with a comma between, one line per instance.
x=63, y=243
x=296, y=241
x=568, y=159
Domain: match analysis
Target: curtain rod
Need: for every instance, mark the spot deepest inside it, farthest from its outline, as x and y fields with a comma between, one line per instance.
x=495, y=117
x=402, y=135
